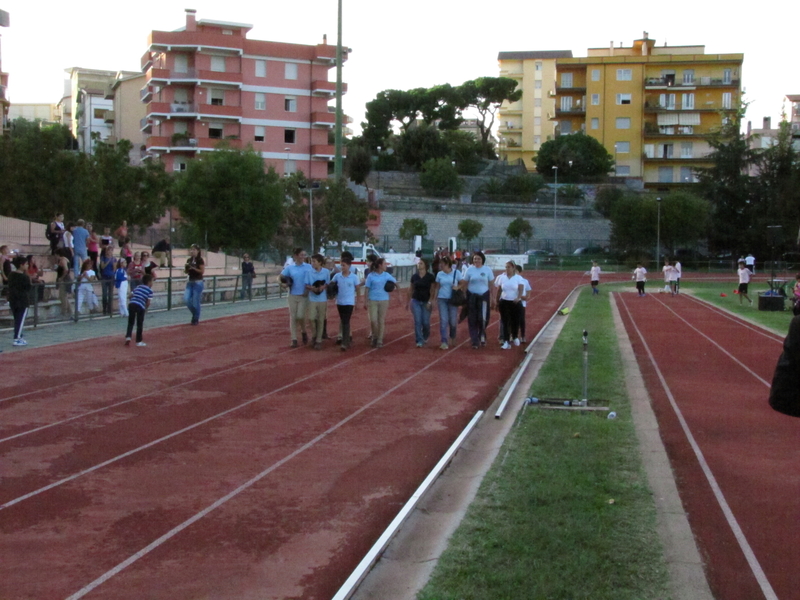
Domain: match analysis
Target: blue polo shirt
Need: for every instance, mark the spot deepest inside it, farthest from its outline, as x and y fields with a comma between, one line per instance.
x=375, y=283
x=446, y=282
x=478, y=279
x=79, y=237
x=298, y=275
x=347, y=289
x=311, y=276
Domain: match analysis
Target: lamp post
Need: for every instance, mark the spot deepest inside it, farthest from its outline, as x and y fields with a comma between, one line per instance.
x=286, y=164
x=555, y=194
x=658, y=233
x=377, y=164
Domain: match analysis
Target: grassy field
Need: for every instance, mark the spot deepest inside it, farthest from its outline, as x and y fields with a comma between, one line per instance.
x=565, y=512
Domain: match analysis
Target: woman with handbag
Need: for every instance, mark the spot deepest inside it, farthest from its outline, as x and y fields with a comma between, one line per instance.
x=419, y=301
x=448, y=297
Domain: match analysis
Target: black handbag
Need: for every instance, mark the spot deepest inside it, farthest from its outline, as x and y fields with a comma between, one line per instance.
x=458, y=297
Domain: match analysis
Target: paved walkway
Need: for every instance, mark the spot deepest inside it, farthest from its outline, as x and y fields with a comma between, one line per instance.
x=100, y=326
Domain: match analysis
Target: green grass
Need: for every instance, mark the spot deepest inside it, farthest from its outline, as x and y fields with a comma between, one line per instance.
x=565, y=512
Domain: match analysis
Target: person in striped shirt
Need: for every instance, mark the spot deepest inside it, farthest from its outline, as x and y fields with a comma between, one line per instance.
x=140, y=300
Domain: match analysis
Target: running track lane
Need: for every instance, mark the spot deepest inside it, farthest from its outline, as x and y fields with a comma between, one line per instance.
x=230, y=466
x=717, y=369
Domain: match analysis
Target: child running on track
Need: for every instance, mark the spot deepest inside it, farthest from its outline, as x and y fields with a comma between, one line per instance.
x=594, y=275
x=744, y=280
x=640, y=275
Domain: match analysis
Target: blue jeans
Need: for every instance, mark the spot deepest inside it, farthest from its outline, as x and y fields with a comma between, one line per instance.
x=247, y=287
x=192, y=297
x=448, y=320
x=422, y=320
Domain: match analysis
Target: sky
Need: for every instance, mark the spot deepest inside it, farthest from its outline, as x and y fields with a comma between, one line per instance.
x=403, y=45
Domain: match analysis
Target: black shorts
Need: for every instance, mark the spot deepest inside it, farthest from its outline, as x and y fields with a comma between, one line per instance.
x=742, y=288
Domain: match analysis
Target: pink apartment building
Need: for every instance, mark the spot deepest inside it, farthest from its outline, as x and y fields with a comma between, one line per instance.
x=207, y=84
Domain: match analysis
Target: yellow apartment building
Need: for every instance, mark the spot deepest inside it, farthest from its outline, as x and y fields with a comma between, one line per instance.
x=525, y=125
x=650, y=106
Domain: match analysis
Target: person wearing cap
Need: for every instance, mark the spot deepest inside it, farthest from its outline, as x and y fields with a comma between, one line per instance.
x=316, y=281
x=379, y=284
x=293, y=277
x=346, y=299
x=195, y=268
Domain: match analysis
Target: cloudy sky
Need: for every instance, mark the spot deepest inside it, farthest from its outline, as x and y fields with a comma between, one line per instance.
x=413, y=43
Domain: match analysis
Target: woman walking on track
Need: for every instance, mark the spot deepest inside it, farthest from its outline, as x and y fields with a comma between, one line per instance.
x=19, y=288
x=293, y=277
x=510, y=291
x=347, y=283
x=378, y=285
x=744, y=280
x=640, y=276
x=193, y=296
x=317, y=279
x=419, y=301
x=447, y=280
x=479, y=281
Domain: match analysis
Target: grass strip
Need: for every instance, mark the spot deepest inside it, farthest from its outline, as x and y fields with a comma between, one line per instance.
x=565, y=512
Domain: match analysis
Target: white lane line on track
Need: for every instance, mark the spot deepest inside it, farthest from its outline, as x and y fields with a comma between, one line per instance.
x=180, y=431
x=176, y=530
x=770, y=335
x=720, y=348
x=750, y=556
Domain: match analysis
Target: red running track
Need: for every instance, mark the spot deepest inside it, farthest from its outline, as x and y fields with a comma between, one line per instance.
x=217, y=463
x=736, y=460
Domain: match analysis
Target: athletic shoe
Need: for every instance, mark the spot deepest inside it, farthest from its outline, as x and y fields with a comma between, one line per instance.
x=141, y=344
x=343, y=348
x=127, y=341
x=374, y=343
x=474, y=347
x=338, y=341
x=305, y=338
x=419, y=345
x=294, y=343
x=505, y=346
x=380, y=345
x=444, y=347
x=516, y=341
x=20, y=342
x=318, y=346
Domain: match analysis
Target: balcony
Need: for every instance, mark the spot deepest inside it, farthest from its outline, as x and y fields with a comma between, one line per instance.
x=108, y=117
x=221, y=111
x=323, y=119
x=146, y=93
x=323, y=152
x=3, y=97
x=327, y=54
x=167, y=41
x=190, y=144
x=146, y=125
x=195, y=76
x=326, y=88
x=147, y=60
x=663, y=82
x=564, y=91
x=678, y=159
x=571, y=111
x=171, y=109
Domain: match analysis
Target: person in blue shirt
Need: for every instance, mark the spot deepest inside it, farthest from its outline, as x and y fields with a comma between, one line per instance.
x=107, y=264
x=79, y=237
x=346, y=300
x=316, y=281
x=478, y=281
x=377, y=300
x=298, y=296
x=447, y=279
x=140, y=300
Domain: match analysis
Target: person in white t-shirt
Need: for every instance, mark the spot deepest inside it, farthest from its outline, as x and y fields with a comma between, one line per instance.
x=750, y=262
x=678, y=272
x=744, y=280
x=510, y=291
x=594, y=276
x=640, y=276
x=669, y=277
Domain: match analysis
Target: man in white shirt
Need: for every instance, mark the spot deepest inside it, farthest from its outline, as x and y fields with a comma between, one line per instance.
x=750, y=262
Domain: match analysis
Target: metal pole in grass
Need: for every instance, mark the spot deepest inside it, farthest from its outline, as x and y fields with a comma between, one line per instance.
x=585, y=365
x=169, y=291
x=214, y=291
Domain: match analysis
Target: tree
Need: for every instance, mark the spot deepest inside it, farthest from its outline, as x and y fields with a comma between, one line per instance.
x=588, y=157
x=469, y=229
x=486, y=95
x=519, y=228
x=230, y=200
x=419, y=145
x=605, y=200
x=439, y=177
x=337, y=210
x=411, y=228
x=358, y=164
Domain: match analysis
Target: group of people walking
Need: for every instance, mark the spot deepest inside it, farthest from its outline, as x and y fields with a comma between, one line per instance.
x=456, y=295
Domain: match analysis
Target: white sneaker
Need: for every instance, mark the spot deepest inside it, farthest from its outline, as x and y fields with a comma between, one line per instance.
x=20, y=342
x=127, y=341
x=141, y=344
x=505, y=346
x=516, y=341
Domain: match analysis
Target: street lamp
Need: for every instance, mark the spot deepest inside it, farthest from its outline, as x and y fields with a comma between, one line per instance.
x=555, y=193
x=377, y=167
x=658, y=233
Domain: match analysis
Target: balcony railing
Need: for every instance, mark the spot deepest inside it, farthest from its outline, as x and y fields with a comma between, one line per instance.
x=146, y=125
x=573, y=110
x=323, y=119
x=146, y=93
x=697, y=82
x=196, y=76
x=326, y=88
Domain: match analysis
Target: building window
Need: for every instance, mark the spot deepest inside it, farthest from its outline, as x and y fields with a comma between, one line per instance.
x=537, y=140
x=726, y=76
x=179, y=166
x=595, y=99
x=215, y=131
x=688, y=76
x=623, y=98
x=261, y=101
x=290, y=71
x=290, y=104
x=218, y=64
x=289, y=167
x=726, y=100
x=259, y=133
x=566, y=80
x=537, y=84
x=665, y=174
x=227, y=32
x=595, y=123
x=565, y=127
x=623, y=122
x=624, y=75
x=217, y=97
x=566, y=103
x=537, y=102
x=180, y=127
x=666, y=150
x=595, y=74
x=623, y=147
x=261, y=68
x=537, y=121
x=100, y=113
x=667, y=101
x=538, y=65
x=687, y=101
x=687, y=175
x=289, y=136
x=622, y=170
x=181, y=63
x=687, y=149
